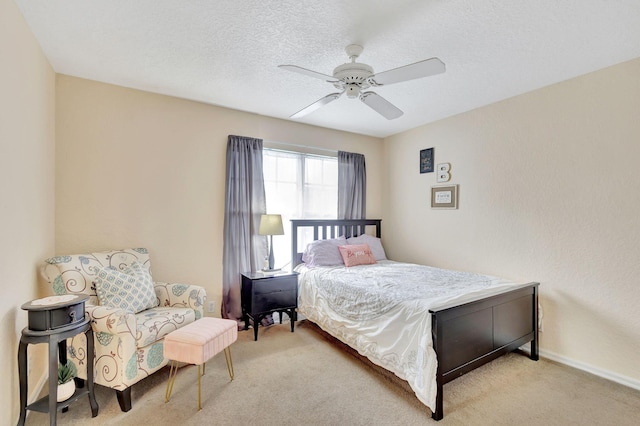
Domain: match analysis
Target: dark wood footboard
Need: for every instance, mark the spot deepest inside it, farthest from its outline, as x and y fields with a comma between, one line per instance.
x=469, y=335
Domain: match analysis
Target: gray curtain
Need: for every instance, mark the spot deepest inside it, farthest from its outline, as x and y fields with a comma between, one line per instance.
x=352, y=186
x=244, y=203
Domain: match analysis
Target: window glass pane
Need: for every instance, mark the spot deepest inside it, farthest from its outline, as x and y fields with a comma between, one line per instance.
x=287, y=169
x=269, y=166
x=331, y=174
x=313, y=171
x=298, y=186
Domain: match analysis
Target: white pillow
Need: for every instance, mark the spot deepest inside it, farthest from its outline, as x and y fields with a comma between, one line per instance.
x=374, y=244
x=324, y=252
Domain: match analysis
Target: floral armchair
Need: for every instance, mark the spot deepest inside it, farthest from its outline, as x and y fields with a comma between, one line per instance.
x=128, y=346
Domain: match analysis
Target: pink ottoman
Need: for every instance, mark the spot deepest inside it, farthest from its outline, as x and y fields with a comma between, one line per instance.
x=197, y=343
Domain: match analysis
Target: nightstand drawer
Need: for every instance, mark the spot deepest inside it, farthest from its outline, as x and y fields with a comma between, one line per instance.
x=265, y=302
x=275, y=284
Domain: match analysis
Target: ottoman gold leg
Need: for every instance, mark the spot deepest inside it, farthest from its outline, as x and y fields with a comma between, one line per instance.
x=173, y=371
x=227, y=356
x=199, y=375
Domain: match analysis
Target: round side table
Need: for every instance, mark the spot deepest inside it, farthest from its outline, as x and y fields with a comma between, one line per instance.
x=56, y=339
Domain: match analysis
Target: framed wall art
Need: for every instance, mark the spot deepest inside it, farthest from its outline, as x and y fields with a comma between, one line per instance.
x=426, y=160
x=444, y=197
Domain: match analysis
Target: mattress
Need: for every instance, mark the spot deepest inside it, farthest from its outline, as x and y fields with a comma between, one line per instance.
x=382, y=311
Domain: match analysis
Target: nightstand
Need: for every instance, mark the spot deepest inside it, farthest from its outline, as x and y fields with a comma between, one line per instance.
x=265, y=294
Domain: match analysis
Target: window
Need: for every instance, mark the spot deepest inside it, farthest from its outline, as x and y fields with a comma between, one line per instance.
x=298, y=186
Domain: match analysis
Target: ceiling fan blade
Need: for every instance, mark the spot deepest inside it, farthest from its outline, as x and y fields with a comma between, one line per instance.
x=408, y=72
x=310, y=73
x=381, y=105
x=317, y=104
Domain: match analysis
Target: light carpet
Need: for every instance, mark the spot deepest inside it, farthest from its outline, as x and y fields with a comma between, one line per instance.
x=309, y=378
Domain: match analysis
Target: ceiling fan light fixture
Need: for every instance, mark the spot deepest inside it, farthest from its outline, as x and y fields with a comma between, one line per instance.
x=352, y=90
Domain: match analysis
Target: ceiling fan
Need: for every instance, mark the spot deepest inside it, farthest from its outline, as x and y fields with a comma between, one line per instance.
x=353, y=78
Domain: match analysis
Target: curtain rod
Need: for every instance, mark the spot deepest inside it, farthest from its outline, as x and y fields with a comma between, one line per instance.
x=314, y=148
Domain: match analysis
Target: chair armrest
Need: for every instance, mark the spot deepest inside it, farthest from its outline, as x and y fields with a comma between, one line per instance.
x=105, y=319
x=114, y=332
x=182, y=295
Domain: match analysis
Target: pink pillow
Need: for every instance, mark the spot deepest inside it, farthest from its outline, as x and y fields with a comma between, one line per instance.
x=354, y=255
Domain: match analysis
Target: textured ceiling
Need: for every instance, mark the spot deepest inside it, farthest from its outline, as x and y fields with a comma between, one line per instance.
x=226, y=53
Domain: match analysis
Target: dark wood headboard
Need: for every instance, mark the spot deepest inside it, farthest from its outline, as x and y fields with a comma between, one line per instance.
x=329, y=228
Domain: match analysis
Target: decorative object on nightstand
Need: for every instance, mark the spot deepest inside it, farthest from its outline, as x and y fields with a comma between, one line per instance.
x=265, y=294
x=271, y=224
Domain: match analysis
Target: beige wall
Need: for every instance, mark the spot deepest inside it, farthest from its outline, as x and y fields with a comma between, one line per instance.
x=549, y=192
x=27, y=85
x=135, y=169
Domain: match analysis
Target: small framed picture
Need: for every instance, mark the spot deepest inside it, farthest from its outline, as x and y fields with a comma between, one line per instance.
x=444, y=197
x=426, y=160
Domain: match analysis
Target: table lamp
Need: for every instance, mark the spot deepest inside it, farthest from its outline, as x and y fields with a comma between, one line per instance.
x=271, y=224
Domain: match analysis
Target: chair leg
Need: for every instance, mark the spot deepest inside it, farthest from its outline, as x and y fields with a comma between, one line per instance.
x=227, y=356
x=124, y=399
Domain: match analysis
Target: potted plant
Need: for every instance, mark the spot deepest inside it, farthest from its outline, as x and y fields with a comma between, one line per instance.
x=66, y=385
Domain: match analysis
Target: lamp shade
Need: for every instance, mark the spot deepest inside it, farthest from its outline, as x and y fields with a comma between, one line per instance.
x=271, y=224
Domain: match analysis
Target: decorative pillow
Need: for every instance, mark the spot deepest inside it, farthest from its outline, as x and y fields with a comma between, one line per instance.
x=324, y=252
x=130, y=289
x=374, y=243
x=354, y=255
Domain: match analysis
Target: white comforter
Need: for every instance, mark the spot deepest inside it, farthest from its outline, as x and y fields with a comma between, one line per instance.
x=382, y=311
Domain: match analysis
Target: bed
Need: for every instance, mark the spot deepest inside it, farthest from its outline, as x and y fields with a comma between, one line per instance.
x=421, y=333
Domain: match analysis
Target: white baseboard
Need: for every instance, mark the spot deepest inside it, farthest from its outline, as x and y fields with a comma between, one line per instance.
x=606, y=374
